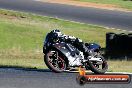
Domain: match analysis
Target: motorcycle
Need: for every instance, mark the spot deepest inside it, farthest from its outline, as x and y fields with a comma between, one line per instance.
x=60, y=56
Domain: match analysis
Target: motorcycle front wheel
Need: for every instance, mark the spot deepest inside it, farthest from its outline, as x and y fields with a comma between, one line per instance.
x=55, y=61
x=98, y=68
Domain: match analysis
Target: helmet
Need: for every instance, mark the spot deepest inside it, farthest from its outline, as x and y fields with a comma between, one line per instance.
x=56, y=32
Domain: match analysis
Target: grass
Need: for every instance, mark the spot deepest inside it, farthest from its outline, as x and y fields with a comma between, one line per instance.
x=120, y=66
x=118, y=3
x=22, y=35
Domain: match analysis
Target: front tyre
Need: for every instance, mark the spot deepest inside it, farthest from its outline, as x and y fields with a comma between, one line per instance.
x=97, y=67
x=55, y=61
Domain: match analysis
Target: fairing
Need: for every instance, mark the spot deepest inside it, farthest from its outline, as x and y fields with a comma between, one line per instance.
x=68, y=50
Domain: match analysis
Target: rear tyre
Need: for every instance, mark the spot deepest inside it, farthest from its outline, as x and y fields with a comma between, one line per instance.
x=55, y=61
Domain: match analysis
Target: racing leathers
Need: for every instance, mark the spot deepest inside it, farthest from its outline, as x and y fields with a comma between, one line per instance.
x=78, y=43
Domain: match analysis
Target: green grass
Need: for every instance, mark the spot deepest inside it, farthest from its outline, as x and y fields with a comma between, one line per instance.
x=118, y=3
x=22, y=35
x=120, y=66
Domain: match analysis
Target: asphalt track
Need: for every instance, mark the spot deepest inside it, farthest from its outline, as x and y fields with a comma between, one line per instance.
x=27, y=78
x=114, y=19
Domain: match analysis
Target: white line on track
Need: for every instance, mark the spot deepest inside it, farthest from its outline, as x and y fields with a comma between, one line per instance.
x=36, y=0
x=106, y=72
x=120, y=72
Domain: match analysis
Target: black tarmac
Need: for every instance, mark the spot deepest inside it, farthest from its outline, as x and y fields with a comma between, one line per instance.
x=34, y=78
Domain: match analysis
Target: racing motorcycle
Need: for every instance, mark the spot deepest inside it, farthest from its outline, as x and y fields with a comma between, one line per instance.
x=60, y=56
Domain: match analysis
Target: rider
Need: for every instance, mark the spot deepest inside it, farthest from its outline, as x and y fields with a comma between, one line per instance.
x=73, y=40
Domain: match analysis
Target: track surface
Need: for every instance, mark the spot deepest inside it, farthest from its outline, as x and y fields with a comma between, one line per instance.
x=25, y=78
x=116, y=19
